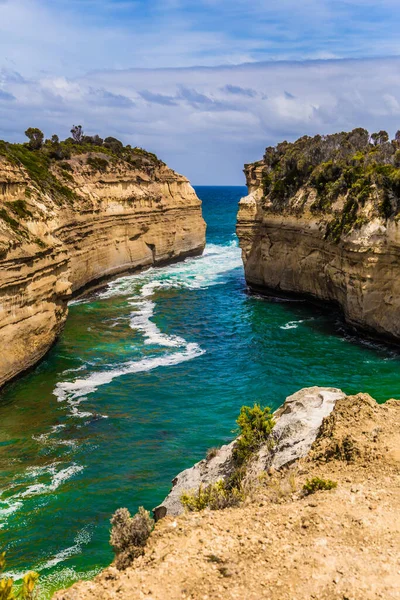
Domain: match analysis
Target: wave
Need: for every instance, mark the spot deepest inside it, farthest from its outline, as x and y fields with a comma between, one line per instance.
x=140, y=321
x=7, y=508
x=82, y=538
x=292, y=324
x=12, y=504
x=193, y=273
x=67, y=575
x=211, y=268
x=57, y=479
x=81, y=387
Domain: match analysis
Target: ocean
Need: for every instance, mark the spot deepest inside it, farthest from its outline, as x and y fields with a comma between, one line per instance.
x=150, y=371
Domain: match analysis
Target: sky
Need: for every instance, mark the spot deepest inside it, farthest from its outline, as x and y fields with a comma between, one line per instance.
x=207, y=85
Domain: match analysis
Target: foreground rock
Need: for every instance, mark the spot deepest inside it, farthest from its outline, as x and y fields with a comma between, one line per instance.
x=333, y=235
x=297, y=424
x=280, y=544
x=76, y=222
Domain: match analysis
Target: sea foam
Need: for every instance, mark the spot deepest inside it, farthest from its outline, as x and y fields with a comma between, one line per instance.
x=194, y=273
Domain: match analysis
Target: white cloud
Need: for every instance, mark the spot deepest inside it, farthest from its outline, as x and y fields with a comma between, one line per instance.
x=71, y=37
x=207, y=122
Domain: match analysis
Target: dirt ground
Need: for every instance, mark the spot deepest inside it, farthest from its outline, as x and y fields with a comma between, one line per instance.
x=338, y=544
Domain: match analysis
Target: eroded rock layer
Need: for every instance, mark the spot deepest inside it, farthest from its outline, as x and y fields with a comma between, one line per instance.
x=327, y=242
x=77, y=224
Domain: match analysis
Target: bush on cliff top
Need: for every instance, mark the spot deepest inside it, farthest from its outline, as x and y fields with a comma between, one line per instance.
x=354, y=164
x=316, y=484
x=129, y=535
x=39, y=156
x=215, y=496
x=255, y=426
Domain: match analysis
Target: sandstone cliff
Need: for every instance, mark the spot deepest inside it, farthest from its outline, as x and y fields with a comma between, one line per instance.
x=282, y=543
x=66, y=224
x=322, y=220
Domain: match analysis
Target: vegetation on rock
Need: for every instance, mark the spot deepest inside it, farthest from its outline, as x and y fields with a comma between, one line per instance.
x=316, y=484
x=356, y=166
x=8, y=589
x=255, y=426
x=129, y=535
x=50, y=166
x=216, y=496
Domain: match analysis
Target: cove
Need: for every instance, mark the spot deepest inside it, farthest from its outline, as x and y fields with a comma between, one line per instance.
x=150, y=372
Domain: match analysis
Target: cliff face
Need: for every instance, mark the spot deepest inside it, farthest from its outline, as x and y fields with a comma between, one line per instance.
x=64, y=225
x=336, y=247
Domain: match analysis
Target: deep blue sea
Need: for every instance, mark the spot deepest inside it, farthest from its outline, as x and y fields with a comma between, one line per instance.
x=149, y=373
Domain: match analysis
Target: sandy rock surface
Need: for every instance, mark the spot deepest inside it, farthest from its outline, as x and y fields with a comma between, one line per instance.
x=281, y=545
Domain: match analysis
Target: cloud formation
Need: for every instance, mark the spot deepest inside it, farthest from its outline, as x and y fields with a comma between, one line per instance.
x=71, y=37
x=207, y=122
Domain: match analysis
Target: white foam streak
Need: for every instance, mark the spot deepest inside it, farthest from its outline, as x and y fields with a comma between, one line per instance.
x=10, y=508
x=83, y=537
x=152, y=335
x=82, y=387
x=292, y=324
x=211, y=268
x=192, y=273
x=58, y=478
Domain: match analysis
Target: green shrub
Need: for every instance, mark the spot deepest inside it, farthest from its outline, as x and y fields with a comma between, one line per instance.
x=215, y=496
x=9, y=220
x=65, y=166
x=67, y=176
x=129, y=535
x=255, y=426
x=35, y=137
x=37, y=164
x=316, y=484
x=211, y=453
x=19, y=208
x=97, y=163
x=352, y=164
x=8, y=589
x=142, y=152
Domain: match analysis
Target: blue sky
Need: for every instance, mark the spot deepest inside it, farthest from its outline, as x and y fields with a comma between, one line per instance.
x=207, y=84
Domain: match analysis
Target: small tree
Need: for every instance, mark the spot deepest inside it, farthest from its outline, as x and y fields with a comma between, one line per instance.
x=255, y=426
x=77, y=133
x=379, y=138
x=35, y=137
x=114, y=145
x=95, y=140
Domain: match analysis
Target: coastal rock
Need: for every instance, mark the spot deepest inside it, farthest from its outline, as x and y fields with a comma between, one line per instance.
x=282, y=543
x=286, y=251
x=298, y=421
x=85, y=227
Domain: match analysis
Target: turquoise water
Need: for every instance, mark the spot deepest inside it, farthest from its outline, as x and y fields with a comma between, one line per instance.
x=149, y=372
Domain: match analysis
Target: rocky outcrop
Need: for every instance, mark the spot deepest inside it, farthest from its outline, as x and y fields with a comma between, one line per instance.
x=341, y=249
x=297, y=423
x=282, y=543
x=69, y=224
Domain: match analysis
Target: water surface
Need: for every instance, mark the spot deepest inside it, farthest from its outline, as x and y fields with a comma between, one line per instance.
x=149, y=372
